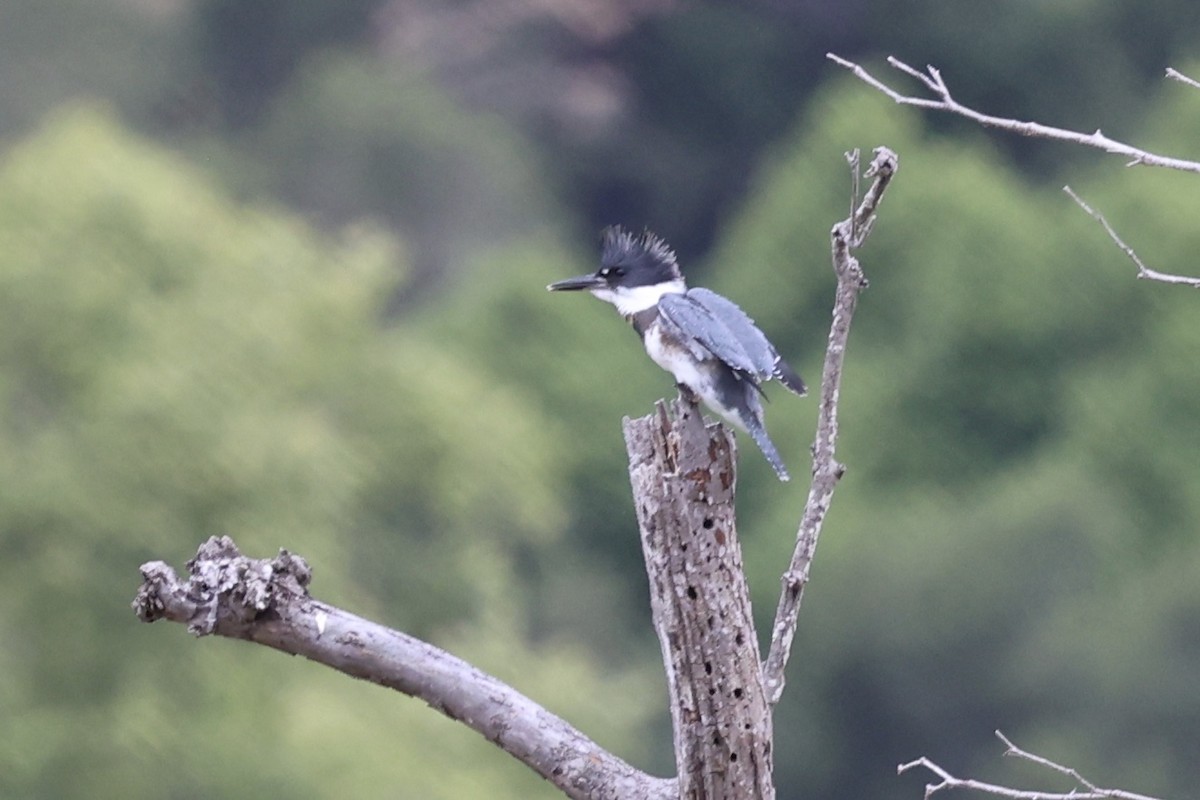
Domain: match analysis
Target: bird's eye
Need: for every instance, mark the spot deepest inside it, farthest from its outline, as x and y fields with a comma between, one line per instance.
x=612, y=272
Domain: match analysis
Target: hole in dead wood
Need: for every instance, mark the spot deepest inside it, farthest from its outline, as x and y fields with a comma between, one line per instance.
x=733, y=756
x=708, y=668
x=740, y=639
x=691, y=592
x=738, y=693
x=708, y=523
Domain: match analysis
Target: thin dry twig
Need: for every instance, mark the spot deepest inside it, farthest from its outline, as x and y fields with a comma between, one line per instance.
x=1143, y=271
x=847, y=236
x=1179, y=76
x=932, y=79
x=1083, y=790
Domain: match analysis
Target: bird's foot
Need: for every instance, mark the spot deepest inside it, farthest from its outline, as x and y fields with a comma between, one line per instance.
x=686, y=394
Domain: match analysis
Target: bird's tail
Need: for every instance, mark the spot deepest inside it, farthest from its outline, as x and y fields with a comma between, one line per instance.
x=759, y=434
x=788, y=377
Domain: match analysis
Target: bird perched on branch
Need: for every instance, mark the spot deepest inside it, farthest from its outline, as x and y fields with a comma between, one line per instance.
x=714, y=350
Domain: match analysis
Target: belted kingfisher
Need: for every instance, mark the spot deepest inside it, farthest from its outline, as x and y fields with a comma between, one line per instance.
x=709, y=344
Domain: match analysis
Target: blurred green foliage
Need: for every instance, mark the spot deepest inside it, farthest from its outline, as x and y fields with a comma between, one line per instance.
x=176, y=365
x=1014, y=545
x=134, y=57
x=350, y=140
x=251, y=49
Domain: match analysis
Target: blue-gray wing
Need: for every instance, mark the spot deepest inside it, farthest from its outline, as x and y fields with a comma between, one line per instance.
x=714, y=326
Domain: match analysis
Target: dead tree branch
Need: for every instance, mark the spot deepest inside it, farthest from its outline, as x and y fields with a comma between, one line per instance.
x=1143, y=272
x=1083, y=789
x=847, y=236
x=1175, y=74
x=932, y=79
x=267, y=602
x=683, y=478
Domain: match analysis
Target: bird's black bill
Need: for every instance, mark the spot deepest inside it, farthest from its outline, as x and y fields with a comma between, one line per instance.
x=582, y=283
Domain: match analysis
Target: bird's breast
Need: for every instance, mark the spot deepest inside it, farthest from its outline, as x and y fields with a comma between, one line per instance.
x=709, y=378
x=675, y=357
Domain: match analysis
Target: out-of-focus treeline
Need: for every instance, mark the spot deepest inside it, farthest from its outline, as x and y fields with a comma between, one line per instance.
x=276, y=270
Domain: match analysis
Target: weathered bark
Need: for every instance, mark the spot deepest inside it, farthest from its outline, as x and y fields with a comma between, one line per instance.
x=683, y=478
x=846, y=237
x=267, y=601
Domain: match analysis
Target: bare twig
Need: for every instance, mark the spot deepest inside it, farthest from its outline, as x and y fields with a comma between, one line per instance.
x=1083, y=790
x=267, y=602
x=932, y=79
x=847, y=236
x=1179, y=76
x=1143, y=271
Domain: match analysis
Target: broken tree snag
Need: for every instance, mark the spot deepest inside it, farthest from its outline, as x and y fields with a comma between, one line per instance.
x=683, y=477
x=267, y=601
x=227, y=592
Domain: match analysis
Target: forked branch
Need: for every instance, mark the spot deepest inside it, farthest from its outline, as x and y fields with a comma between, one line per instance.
x=932, y=79
x=846, y=237
x=1143, y=271
x=1083, y=789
